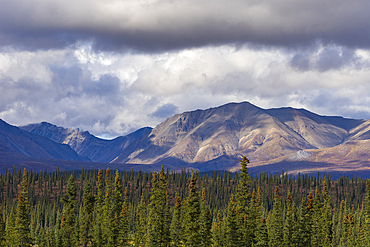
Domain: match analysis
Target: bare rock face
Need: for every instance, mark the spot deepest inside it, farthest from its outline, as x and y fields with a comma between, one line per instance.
x=237, y=129
x=300, y=155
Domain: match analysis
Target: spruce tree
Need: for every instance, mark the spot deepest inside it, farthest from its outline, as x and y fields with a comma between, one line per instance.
x=69, y=213
x=125, y=221
x=107, y=234
x=98, y=212
x=289, y=223
x=23, y=214
x=158, y=219
x=87, y=216
x=116, y=221
x=326, y=227
x=276, y=222
x=57, y=231
x=261, y=234
x=253, y=210
x=10, y=231
x=176, y=224
x=205, y=221
x=305, y=221
x=192, y=235
x=218, y=231
x=317, y=236
x=140, y=229
x=232, y=236
x=77, y=228
x=243, y=199
x=345, y=236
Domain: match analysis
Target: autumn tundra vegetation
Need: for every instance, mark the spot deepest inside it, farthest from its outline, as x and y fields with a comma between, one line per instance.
x=187, y=208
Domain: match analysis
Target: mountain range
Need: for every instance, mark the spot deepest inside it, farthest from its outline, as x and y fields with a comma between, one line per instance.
x=88, y=146
x=273, y=139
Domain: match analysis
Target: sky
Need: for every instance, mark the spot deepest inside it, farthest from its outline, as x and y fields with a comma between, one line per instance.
x=111, y=67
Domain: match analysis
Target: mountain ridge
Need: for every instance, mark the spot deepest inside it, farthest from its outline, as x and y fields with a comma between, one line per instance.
x=217, y=137
x=85, y=144
x=238, y=129
x=17, y=141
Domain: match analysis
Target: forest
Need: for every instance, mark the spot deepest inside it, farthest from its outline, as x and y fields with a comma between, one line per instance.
x=187, y=208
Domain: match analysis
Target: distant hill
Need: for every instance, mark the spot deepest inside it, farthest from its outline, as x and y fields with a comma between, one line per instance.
x=86, y=145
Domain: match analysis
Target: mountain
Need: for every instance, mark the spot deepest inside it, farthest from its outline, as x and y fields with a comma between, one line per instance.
x=85, y=144
x=17, y=142
x=212, y=138
x=273, y=140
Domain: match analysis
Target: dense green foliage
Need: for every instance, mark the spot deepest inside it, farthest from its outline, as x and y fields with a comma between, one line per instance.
x=114, y=208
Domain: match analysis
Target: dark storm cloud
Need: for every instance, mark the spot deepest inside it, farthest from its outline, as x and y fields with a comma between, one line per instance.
x=166, y=110
x=167, y=24
x=300, y=62
x=334, y=58
x=326, y=58
x=74, y=82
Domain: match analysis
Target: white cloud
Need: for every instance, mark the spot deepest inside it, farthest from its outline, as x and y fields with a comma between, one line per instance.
x=112, y=94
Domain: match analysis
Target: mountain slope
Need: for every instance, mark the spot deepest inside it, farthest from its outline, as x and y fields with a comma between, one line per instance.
x=237, y=129
x=85, y=144
x=320, y=131
x=14, y=140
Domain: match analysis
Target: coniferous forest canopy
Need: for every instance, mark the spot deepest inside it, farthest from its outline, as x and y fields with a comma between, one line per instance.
x=126, y=208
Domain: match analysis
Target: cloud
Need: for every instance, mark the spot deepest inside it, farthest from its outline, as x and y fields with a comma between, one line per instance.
x=162, y=25
x=166, y=110
x=112, y=94
x=300, y=62
x=112, y=66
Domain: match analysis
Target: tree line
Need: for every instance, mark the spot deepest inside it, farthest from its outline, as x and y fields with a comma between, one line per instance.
x=219, y=208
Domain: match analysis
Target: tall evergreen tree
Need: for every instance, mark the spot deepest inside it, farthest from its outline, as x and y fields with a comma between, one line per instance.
x=176, y=224
x=232, y=235
x=261, y=234
x=192, y=235
x=10, y=231
x=140, y=229
x=317, y=236
x=57, y=231
x=254, y=211
x=348, y=221
x=289, y=223
x=69, y=213
x=98, y=212
x=158, y=219
x=23, y=214
x=218, y=231
x=125, y=221
x=87, y=216
x=326, y=227
x=77, y=228
x=116, y=221
x=106, y=225
x=276, y=222
x=205, y=221
x=243, y=199
x=305, y=220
